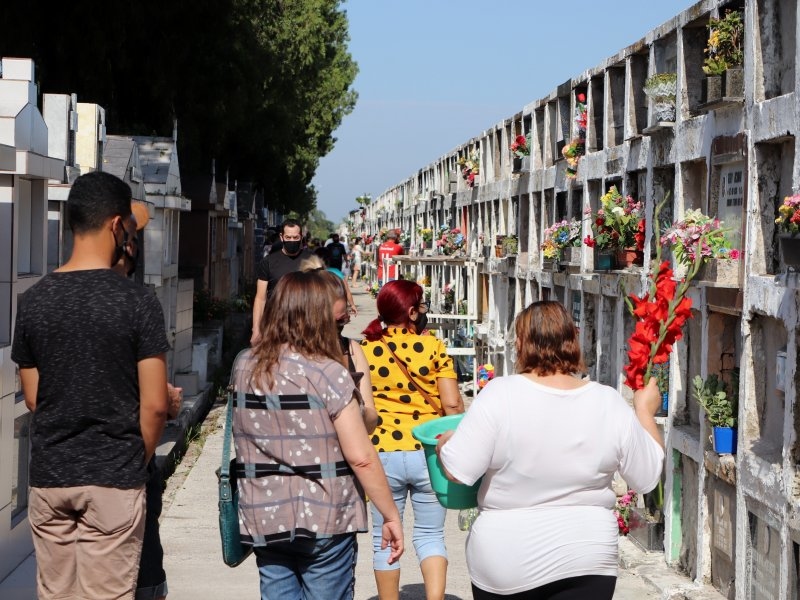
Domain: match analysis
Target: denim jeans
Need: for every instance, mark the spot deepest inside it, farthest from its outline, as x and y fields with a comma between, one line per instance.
x=306, y=569
x=407, y=474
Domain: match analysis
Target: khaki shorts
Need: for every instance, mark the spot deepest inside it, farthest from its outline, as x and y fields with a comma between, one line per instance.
x=88, y=541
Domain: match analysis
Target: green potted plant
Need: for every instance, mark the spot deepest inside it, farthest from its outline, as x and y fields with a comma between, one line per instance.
x=510, y=245
x=662, y=88
x=724, y=58
x=721, y=410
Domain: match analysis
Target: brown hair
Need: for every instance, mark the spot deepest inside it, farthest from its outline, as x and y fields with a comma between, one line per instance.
x=299, y=315
x=547, y=340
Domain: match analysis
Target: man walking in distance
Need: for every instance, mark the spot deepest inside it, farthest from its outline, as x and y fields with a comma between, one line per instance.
x=274, y=266
x=386, y=251
x=91, y=346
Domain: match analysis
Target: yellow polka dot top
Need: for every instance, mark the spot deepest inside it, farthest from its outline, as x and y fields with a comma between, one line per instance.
x=400, y=406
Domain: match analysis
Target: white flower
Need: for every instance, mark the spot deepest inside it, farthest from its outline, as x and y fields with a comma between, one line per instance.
x=618, y=210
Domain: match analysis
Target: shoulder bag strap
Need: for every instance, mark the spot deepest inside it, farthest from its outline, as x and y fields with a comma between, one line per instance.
x=435, y=404
x=224, y=469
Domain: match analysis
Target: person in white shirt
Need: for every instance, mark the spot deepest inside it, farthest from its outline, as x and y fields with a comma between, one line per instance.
x=547, y=445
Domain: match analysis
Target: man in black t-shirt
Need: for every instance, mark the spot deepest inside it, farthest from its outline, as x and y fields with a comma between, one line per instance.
x=91, y=346
x=337, y=252
x=274, y=266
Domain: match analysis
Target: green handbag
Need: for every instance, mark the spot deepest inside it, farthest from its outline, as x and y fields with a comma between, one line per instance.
x=234, y=552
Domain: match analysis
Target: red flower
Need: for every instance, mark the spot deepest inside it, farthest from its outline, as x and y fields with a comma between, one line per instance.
x=581, y=98
x=661, y=315
x=639, y=235
x=520, y=141
x=589, y=241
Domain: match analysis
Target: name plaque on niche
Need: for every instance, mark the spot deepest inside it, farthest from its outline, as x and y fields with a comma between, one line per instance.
x=764, y=561
x=723, y=523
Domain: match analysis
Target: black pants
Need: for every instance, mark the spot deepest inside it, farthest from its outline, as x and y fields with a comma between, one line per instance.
x=587, y=587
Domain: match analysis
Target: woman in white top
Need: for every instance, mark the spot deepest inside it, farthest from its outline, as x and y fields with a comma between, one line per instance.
x=355, y=262
x=547, y=445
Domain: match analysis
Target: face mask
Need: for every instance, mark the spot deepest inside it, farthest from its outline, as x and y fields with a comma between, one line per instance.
x=130, y=261
x=340, y=323
x=292, y=247
x=119, y=250
x=421, y=323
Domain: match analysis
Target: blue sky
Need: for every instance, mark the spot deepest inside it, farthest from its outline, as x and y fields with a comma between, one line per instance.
x=434, y=73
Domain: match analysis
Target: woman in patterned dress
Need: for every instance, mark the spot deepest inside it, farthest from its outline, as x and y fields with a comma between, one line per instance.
x=300, y=446
x=401, y=406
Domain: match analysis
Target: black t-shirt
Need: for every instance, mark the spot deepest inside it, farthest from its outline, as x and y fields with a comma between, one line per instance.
x=276, y=265
x=85, y=332
x=337, y=253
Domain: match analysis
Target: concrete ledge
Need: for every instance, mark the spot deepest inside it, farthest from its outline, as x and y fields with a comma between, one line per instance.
x=651, y=568
x=173, y=442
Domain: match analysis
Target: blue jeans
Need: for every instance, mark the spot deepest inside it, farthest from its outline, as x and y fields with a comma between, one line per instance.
x=407, y=473
x=306, y=569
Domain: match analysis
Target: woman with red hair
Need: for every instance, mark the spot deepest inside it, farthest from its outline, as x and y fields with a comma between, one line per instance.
x=413, y=381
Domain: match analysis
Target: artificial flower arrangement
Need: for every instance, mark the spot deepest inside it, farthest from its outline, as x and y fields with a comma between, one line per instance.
x=724, y=49
x=573, y=151
x=470, y=167
x=622, y=511
x=559, y=236
x=521, y=146
x=663, y=310
x=448, y=296
x=426, y=233
x=697, y=232
x=789, y=214
x=450, y=240
x=485, y=375
x=618, y=223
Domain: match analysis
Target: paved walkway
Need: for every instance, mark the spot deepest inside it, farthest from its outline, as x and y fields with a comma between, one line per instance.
x=195, y=570
x=191, y=540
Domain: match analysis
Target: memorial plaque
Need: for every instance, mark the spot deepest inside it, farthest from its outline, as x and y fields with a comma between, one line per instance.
x=765, y=560
x=724, y=523
x=723, y=534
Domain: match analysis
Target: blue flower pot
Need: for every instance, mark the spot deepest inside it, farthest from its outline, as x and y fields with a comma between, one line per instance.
x=725, y=440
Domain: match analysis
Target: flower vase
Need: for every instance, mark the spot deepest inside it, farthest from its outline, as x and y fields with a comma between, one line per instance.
x=724, y=440
x=628, y=257
x=721, y=271
x=790, y=249
x=733, y=82
x=516, y=166
x=571, y=255
x=712, y=89
x=604, y=260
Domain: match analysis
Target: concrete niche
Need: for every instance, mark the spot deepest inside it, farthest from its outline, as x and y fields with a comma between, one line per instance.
x=722, y=518
x=765, y=560
x=689, y=498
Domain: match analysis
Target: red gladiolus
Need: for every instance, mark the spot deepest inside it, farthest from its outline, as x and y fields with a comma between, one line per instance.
x=639, y=235
x=661, y=314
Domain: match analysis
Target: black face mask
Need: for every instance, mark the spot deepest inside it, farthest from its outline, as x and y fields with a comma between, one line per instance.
x=421, y=323
x=120, y=249
x=292, y=247
x=130, y=262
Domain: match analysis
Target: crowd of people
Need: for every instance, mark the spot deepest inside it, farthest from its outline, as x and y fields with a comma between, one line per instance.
x=322, y=425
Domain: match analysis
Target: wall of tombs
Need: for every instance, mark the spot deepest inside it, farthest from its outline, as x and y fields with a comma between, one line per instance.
x=731, y=520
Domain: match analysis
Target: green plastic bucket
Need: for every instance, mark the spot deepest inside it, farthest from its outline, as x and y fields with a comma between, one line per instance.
x=450, y=494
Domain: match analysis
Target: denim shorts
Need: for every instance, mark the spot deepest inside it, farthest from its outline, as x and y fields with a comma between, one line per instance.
x=407, y=473
x=308, y=569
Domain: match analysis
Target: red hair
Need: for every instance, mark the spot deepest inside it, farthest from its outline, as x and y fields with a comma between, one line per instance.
x=394, y=300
